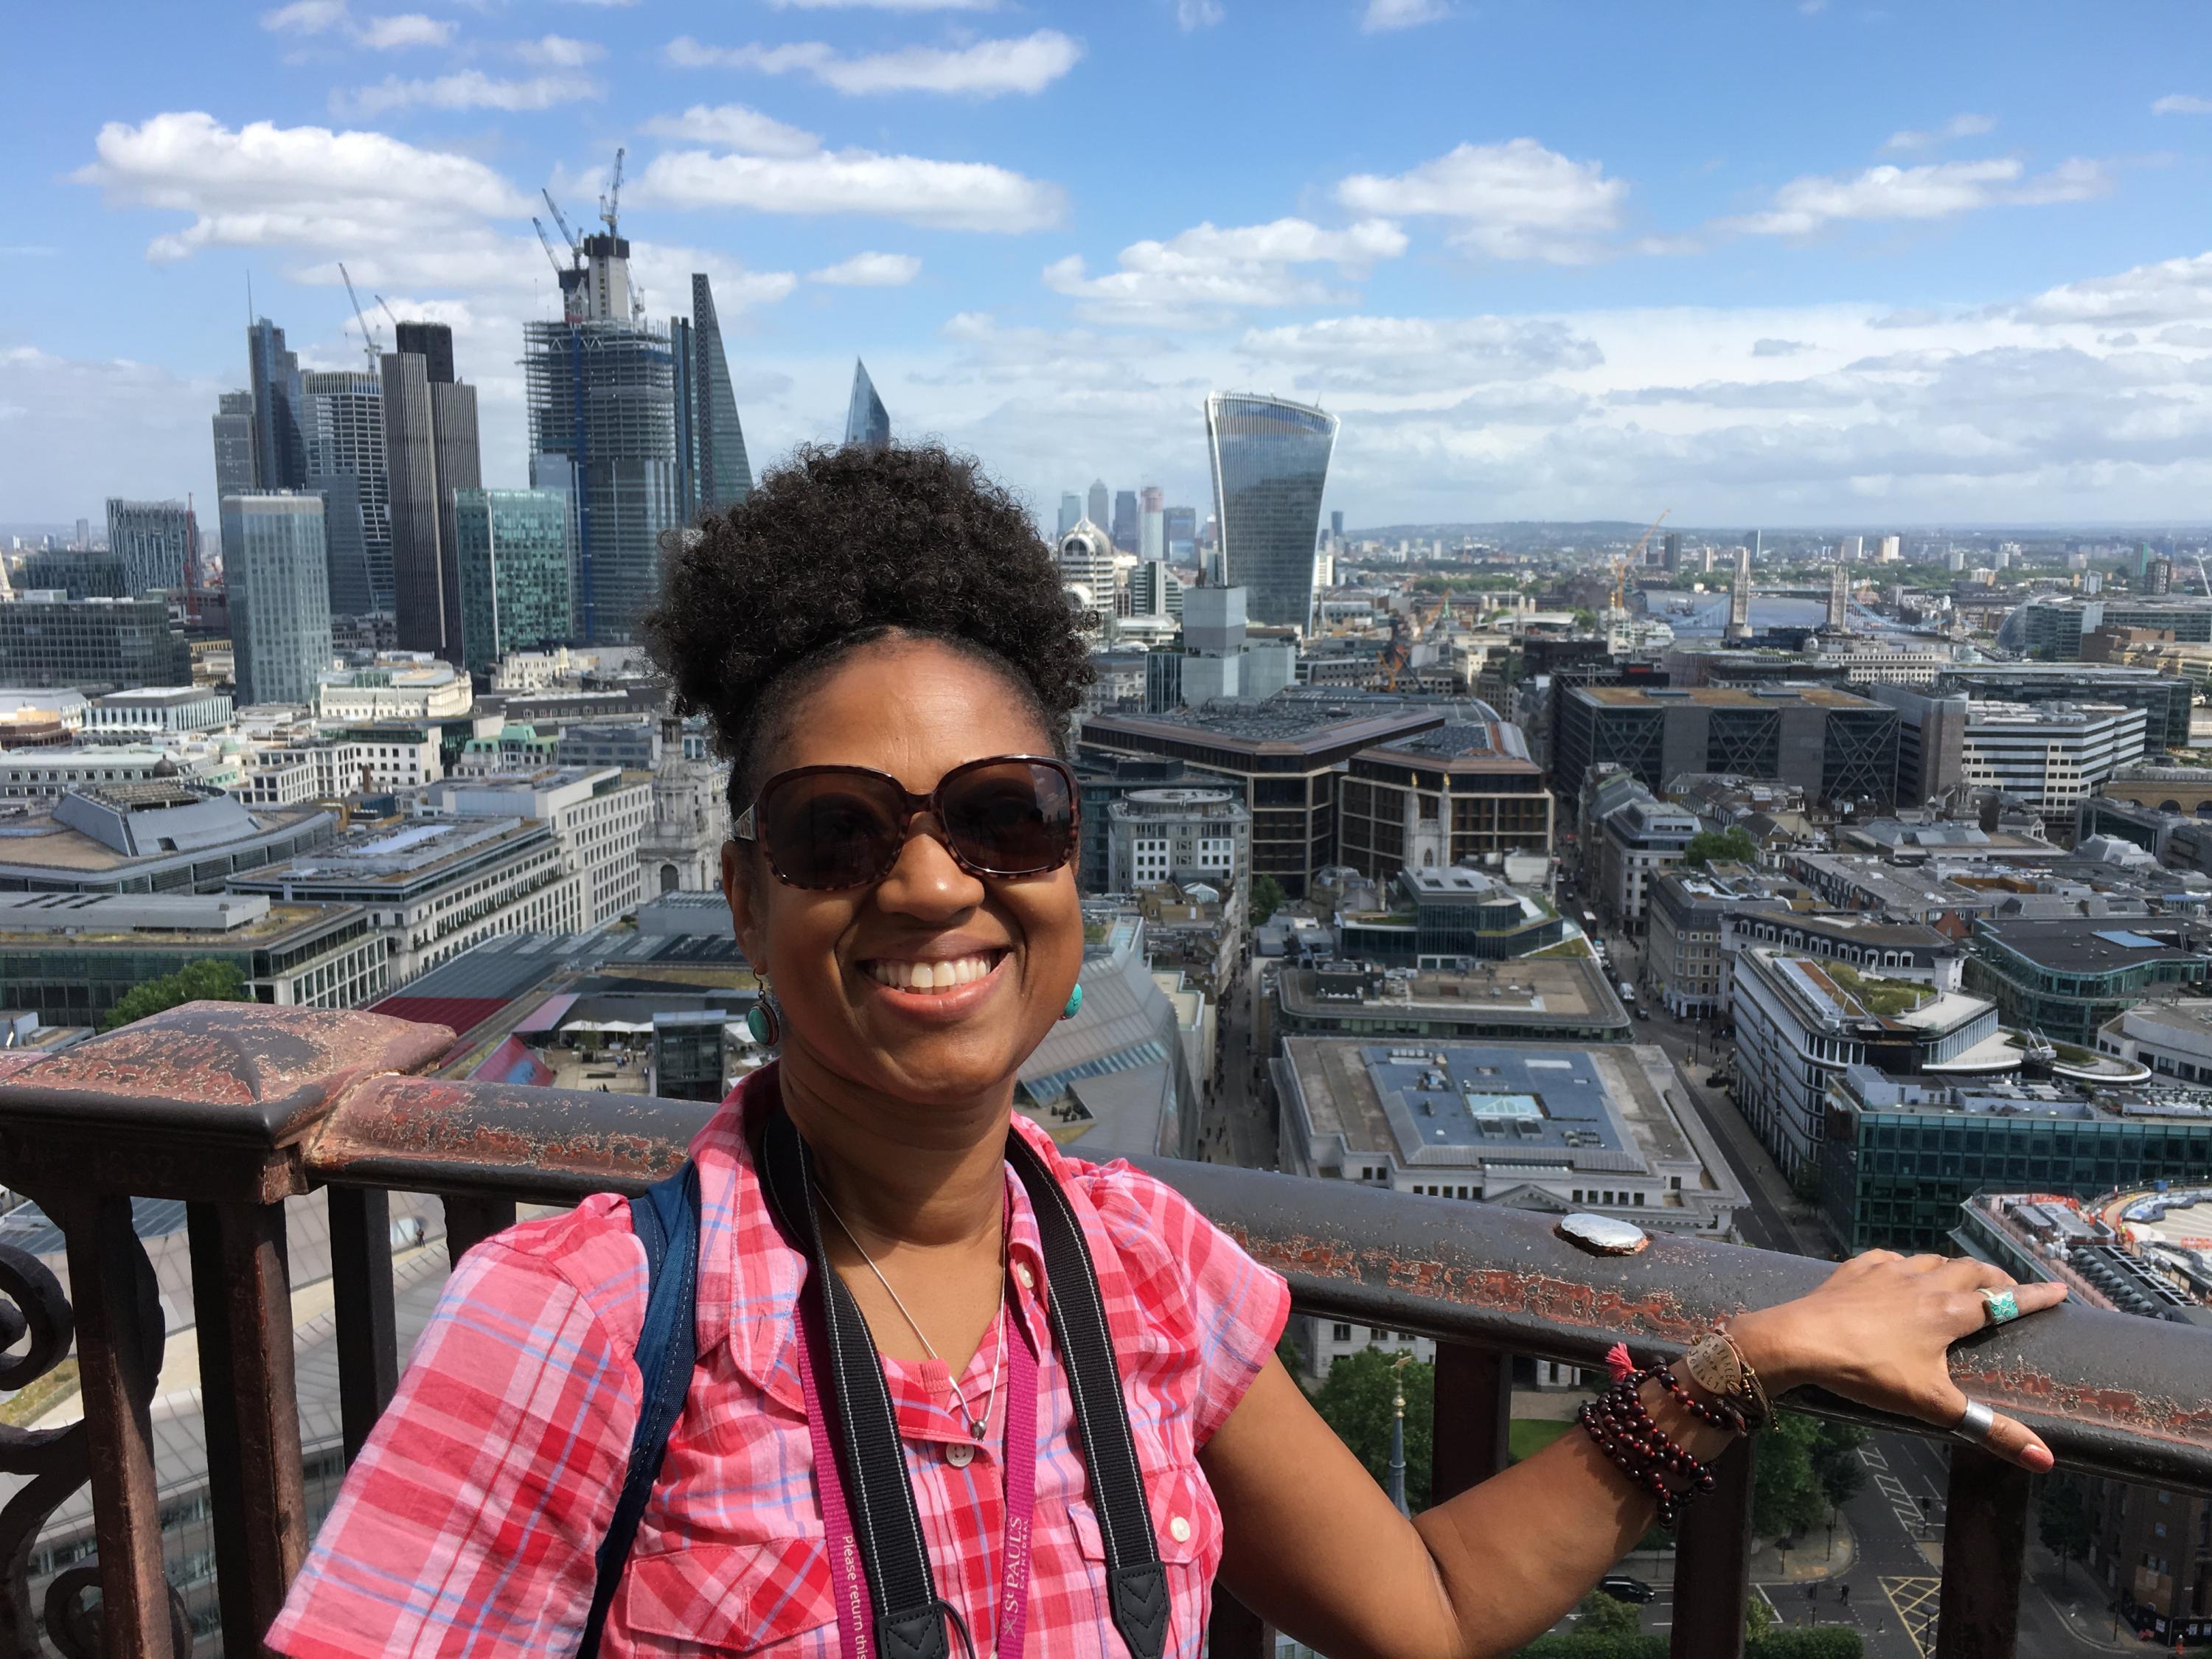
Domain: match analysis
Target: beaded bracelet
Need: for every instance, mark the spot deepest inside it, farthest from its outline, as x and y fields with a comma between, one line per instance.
x=1618, y=1422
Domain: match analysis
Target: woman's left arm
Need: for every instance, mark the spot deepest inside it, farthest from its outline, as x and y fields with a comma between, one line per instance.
x=1315, y=1547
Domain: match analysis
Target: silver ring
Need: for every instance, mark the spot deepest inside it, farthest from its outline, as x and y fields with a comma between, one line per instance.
x=1974, y=1427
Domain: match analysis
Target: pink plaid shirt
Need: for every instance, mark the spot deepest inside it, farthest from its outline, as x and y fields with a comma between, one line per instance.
x=468, y=1523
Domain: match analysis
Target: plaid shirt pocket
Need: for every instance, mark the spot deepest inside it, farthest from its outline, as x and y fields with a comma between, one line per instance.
x=721, y=1598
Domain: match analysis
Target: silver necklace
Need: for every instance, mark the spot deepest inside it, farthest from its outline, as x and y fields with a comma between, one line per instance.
x=976, y=1426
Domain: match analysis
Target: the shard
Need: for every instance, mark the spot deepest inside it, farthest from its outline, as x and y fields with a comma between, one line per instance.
x=866, y=423
x=718, y=475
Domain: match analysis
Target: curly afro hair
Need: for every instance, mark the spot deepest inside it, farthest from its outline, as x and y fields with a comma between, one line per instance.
x=839, y=547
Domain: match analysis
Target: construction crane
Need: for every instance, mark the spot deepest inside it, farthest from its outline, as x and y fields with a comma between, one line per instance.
x=554, y=207
x=546, y=242
x=610, y=204
x=367, y=339
x=388, y=317
x=1621, y=565
x=2202, y=577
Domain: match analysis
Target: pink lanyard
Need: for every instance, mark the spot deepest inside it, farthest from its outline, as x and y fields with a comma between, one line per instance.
x=855, y=1618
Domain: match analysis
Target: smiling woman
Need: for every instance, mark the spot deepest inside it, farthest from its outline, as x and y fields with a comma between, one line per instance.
x=945, y=1387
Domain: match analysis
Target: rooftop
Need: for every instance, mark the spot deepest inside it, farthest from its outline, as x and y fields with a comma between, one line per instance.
x=1281, y=720
x=1722, y=697
x=386, y=856
x=1539, y=990
x=2066, y=945
x=1492, y=741
x=230, y=920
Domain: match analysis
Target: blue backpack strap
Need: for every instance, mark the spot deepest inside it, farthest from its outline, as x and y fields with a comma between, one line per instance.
x=667, y=1219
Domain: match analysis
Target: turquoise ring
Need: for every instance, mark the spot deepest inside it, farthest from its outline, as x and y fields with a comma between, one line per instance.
x=1999, y=1307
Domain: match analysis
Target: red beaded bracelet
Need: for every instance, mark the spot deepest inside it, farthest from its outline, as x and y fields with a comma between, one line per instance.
x=1623, y=1429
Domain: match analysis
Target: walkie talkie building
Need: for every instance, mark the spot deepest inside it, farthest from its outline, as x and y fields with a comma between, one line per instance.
x=1270, y=465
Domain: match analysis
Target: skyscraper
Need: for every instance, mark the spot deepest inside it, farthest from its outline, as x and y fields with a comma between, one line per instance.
x=1672, y=557
x=1097, y=507
x=158, y=543
x=433, y=342
x=1270, y=461
x=513, y=548
x=1336, y=525
x=1070, y=512
x=342, y=425
x=1125, y=520
x=1179, y=530
x=718, y=474
x=430, y=450
x=1085, y=558
x=601, y=386
x=280, y=453
x=1151, y=523
x=234, y=445
x=866, y=423
x=275, y=571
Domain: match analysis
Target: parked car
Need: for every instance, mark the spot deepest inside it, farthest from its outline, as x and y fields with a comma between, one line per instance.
x=1621, y=1588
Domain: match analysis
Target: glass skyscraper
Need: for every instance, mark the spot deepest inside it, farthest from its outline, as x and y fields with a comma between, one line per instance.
x=721, y=473
x=866, y=422
x=513, y=550
x=274, y=565
x=1270, y=465
x=159, y=543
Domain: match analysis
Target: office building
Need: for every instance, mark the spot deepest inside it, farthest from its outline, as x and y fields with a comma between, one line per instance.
x=431, y=451
x=342, y=427
x=597, y=816
x=2063, y=980
x=2164, y=697
x=866, y=422
x=279, y=451
x=437, y=886
x=718, y=473
x=2051, y=626
x=1177, y=835
x=1098, y=506
x=275, y=572
x=512, y=550
x=157, y=542
x=1151, y=524
x=1125, y=521
x=1155, y=590
x=153, y=713
x=1100, y=780
x=92, y=644
x=1086, y=572
x=70, y=957
x=399, y=687
x=1070, y=512
x=153, y=833
x=1460, y=791
x=601, y=387
x=1270, y=462
x=1634, y=842
x=1179, y=532
x=1835, y=746
x=1336, y=525
x=1447, y=919
x=1284, y=753
x=2051, y=755
x=1519, y=999
x=1671, y=551
x=96, y=574
x=433, y=342
x=233, y=444
x=1901, y=1154
x=1799, y=1022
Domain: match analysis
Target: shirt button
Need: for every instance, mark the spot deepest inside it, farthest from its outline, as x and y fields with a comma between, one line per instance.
x=960, y=1454
x=1179, y=1529
x=1022, y=1274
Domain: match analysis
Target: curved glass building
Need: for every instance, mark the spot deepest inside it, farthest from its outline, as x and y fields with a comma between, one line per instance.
x=1270, y=464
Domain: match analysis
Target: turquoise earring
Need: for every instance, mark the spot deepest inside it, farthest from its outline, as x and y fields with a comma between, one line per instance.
x=1074, y=1002
x=763, y=1020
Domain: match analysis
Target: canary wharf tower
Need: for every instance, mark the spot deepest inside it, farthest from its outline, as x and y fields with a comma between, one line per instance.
x=1270, y=463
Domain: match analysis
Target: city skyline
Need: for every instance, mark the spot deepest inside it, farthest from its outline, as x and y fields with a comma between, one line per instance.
x=1936, y=307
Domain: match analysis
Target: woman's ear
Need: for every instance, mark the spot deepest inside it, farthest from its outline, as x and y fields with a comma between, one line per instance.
x=740, y=888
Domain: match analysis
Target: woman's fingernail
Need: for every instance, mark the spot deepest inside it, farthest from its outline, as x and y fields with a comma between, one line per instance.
x=2039, y=1459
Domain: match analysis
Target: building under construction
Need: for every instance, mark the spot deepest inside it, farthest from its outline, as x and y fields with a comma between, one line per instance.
x=601, y=384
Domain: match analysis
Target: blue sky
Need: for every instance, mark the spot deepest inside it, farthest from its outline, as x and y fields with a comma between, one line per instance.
x=1790, y=262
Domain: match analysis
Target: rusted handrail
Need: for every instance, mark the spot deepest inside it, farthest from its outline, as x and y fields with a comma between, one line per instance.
x=234, y=1107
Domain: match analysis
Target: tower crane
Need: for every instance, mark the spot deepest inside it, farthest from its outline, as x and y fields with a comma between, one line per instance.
x=367, y=339
x=554, y=207
x=1621, y=565
x=546, y=242
x=610, y=204
x=388, y=317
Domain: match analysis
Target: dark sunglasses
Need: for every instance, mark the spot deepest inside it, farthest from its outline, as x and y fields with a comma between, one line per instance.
x=832, y=827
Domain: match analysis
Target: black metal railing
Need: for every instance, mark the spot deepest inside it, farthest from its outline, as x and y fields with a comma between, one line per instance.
x=234, y=1108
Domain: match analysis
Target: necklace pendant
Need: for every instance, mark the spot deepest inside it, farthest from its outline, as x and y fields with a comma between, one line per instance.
x=976, y=1426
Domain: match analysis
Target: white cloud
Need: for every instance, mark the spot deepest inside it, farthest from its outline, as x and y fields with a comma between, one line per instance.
x=1197, y=14
x=1936, y=191
x=733, y=127
x=406, y=29
x=1958, y=126
x=943, y=195
x=467, y=89
x=1512, y=201
x=983, y=69
x=2173, y=290
x=558, y=51
x=304, y=17
x=2182, y=103
x=1207, y=273
x=869, y=270
x=1769, y=347
x=1406, y=355
x=1383, y=15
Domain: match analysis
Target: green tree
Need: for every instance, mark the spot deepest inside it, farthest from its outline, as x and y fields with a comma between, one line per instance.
x=1733, y=845
x=1786, y=1496
x=1821, y=1642
x=2062, y=1520
x=1836, y=1462
x=1601, y=1615
x=1758, y=1616
x=1267, y=898
x=204, y=979
x=1354, y=1399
